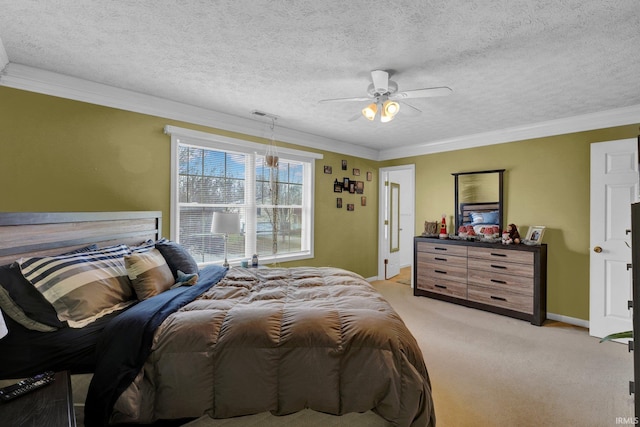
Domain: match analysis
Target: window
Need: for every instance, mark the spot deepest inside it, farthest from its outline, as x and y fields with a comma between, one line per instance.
x=212, y=173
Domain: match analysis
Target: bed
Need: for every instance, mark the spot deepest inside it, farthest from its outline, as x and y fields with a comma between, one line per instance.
x=481, y=217
x=180, y=342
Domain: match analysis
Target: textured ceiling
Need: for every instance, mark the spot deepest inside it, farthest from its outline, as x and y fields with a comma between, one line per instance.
x=509, y=63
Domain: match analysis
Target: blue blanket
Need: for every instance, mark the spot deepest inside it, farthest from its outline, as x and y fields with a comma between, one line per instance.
x=126, y=341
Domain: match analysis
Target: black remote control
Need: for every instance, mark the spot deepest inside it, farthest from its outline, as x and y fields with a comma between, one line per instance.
x=25, y=386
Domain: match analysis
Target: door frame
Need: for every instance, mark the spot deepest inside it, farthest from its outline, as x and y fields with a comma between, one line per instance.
x=407, y=191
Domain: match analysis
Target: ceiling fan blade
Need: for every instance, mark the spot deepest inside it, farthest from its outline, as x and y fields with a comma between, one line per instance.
x=324, y=101
x=422, y=93
x=380, y=79
x=412, y=111
x=355, y=117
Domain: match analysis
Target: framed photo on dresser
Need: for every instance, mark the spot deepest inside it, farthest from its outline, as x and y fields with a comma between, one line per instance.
x=534, y=235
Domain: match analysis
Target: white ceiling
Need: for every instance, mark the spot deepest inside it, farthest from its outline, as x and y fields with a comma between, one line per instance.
x=511, y=64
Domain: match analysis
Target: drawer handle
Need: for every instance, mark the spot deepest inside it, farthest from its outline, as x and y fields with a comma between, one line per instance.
x=502, y=282
x=440, y=249
x=502, y=255
x=441, y=286
x=440, y=271
x=440, y=259
x=499, y=298
x=502, y=267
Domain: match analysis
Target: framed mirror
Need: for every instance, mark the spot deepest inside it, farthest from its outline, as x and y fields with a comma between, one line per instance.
x=479, y=199
x=394, y=219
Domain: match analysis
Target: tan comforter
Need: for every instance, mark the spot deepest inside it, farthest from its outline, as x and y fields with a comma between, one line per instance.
x=282, y=340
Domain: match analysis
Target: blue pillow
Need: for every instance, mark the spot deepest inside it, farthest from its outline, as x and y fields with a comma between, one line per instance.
x=491, y=217
x=476, y=217
x=484, y=217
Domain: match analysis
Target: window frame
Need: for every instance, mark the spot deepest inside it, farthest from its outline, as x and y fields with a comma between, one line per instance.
x=222, y=143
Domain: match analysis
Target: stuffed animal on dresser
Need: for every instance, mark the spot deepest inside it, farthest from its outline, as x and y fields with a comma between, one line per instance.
x=511, y=235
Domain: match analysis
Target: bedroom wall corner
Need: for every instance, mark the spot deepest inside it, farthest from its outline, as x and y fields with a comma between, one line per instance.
x=546, y=183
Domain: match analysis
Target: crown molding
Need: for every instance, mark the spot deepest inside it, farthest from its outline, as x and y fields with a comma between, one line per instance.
x=4, y=58
x=32, y=79
x=600, y=120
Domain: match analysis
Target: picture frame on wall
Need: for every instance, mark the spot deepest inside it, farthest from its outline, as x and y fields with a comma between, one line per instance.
x=345, y=183
x=339, y=203
x=359, y=187
x=534, y=235
x=328, y=169
x=337, y=187
x=344, y=165
x=356, y=172
x=350, y=207
x=352, y=187
x=369, y=175
x=363, y=201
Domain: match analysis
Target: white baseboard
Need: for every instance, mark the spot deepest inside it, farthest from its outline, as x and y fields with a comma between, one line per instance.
x=570, y=320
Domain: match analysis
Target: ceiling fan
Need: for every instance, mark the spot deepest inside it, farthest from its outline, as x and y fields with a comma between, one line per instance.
x=386, y=99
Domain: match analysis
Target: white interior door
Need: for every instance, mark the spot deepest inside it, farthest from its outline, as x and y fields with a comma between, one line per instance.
x=390, y=263
x=614, y=186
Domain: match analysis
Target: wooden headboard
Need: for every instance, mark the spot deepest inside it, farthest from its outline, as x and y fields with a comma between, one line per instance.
x=467, y=208
x=46, y=233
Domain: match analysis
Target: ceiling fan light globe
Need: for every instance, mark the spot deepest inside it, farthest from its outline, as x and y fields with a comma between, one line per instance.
x=385, y=118
x=370, y=111
x=391, y=108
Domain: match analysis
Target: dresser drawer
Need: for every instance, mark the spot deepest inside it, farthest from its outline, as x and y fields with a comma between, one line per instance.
x=500, y=298
x=442, y=271
x=442, y=259
x=443, y=286
x=507, y=282
x=501, y=255
x=495, y=266
x=436, y=248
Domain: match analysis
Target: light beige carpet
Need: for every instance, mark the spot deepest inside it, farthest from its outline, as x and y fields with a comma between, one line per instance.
x=491, y=370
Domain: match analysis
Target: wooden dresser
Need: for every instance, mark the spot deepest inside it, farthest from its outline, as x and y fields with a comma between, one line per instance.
x=506, y=279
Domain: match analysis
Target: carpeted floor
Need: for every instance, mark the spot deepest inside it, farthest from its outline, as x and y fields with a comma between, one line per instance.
x=491, y=370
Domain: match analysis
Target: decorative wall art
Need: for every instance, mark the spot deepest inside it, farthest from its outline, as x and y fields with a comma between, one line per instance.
x=349, y=185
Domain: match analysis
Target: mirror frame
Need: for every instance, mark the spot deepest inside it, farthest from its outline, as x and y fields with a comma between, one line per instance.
x=500, y=173
x=394, y=218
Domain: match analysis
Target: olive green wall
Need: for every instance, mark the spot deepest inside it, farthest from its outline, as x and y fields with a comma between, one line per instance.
x=546, y=183
x=64, y=155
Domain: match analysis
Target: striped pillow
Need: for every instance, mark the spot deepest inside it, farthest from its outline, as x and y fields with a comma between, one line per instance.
x=82, y=287
x=149, y=273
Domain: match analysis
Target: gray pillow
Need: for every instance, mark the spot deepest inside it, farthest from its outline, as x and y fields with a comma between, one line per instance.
x=177, y=257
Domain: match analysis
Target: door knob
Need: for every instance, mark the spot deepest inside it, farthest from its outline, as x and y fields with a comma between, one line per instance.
x=597, y=249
